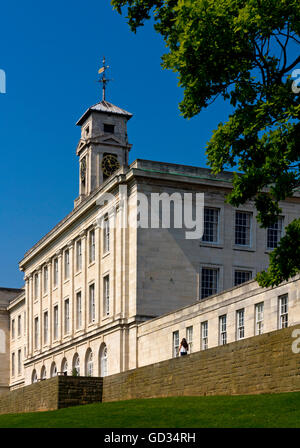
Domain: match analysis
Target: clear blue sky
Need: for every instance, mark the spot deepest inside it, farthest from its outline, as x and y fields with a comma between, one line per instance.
x=51, y=53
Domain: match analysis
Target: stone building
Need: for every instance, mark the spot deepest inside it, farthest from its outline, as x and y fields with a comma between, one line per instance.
x=103, y=295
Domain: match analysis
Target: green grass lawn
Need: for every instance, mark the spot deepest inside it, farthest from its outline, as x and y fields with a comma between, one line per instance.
x=244, y=411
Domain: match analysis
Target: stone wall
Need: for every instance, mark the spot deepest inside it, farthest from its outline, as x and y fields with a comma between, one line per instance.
x=55, y=393
x=261, y=364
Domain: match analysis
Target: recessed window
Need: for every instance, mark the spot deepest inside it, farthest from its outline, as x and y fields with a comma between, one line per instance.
x=175, y=343
x=78, y=255
x=241, y=277
x=45, y=279
x=259, y=318
x=78, y=311
x=36, y=286
x=243, y=228
x=67, y=264
x=209, y=282
x=67, y=316
x=36, y=333
x=223, y=330
x=274, y=233
x=12, y=364
x=19, y=325
x=106, y=235
x=55, y=322
x=13, y=328
x=240, y=328
x=283, y=311
x=189, y=338
x=92, y=246
x=204, y=335
x=46, y=324
x=106, y=294
x=109, y=128
x=19, y=362
x=211, y=224
x=55, y=272
x=92, y=303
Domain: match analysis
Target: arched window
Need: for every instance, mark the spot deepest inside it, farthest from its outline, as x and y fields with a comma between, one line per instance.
x=53, y=371
x=89, y=363
x=76, y=364
x=34, y=377
x=64, y=367
x=103, y=360
x=43, y=373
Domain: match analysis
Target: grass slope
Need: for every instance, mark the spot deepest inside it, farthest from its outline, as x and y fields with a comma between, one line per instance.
x=244, y=411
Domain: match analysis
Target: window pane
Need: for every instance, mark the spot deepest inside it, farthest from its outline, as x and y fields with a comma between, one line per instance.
x=242, y=228
x=209, y=282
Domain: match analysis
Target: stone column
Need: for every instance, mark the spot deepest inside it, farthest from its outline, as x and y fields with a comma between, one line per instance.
x=84, y=279
x=40, y=309
x=50, y=311
x=72, y=293
x=30, y=317
x=60, y=295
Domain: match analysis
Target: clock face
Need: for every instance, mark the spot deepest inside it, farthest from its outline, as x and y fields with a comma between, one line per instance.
x=109, y=164
x=83, y=169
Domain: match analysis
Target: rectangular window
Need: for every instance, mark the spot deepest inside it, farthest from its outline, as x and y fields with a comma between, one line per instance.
x=106, y=295
x=211, y=224
x=19, y=362
x=274, y=233
x=67, y=264
x=240, y=325
x=55, y=272
x=13, y=329
x=46, y=326
x=67, y=316
x=243, y=228
x=175, y=343
x=78, y=255
x=36, y=286
x=36, y=333
x=283, y=311
x=92, y=303
x=241, y=277
x=78, y=311
x=24, y=322
x=55, y=322
x=259, y=318
x=45, y=279
x=209, y=282
x=189, y=338
x=223, y=330
x=204, y=335
x=12, y=364
x=92, y=246
x=106, y=235
x=109, y=128
x=19, y=325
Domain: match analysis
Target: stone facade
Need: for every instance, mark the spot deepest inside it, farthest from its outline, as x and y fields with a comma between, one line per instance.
x=95, y=290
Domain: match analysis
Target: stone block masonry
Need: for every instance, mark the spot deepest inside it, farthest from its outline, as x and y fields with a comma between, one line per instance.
x=261, y=364
x=55, y=393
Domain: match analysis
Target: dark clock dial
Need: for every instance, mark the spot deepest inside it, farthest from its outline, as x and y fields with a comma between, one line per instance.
x=109, y=164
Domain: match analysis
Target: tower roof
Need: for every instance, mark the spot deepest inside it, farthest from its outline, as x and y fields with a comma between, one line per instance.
x=104, y=107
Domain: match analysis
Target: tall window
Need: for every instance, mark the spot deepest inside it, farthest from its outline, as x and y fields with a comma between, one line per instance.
x=243, y=228
x=89, y=364
x=67, y=264
x=211, y=223
x=209, y=282
x=19, y=362
x=240, y=328
x=19, y=325
x=13, y=329
x=76, y=364
x=55, y=322
x=204, y=335
x=78, y=310
x=45, y=279
x=106, y=295
x=274, y=233
x=46, y=326
x=12, y=364
x=259, y=318
x=67, y=316
x=55, y=272
x=241, y=277
x=106, y=235
x=103, y=361
x=92, y=303
x=283, y=311
x=78, y=255
x=36, y=332
x=175, y=343
x=223, y=330
x=92, y=246
x=36, y=286
x=189, y=338
x=24, y=322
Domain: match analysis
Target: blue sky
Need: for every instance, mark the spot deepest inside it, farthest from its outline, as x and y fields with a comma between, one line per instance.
x=51, y=53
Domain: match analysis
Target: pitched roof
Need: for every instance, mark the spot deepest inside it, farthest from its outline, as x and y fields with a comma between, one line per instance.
x=106, y=107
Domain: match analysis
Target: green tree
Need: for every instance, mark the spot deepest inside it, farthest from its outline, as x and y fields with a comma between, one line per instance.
x=244, y=51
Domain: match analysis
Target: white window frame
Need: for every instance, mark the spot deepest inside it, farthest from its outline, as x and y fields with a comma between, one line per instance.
x=92, y=313
x=55, y=322
x=13, y=356
x=279, y=232
x=218, y=274
x=223, y=329
x=19, y=325
x=66, y=316
x=106, y=235
x=19, y=361
x=78, y=255
x=92, y=246
x=250, y=214
x=78, y=310
x=46, y=279
x=175, y=343
x=106, y=294
x=189, y=338
x=240, y=324
x=36, y=333
x=36, y=286
x=204, y=335
x=259, y=318
x=67, y=264
x=283, y=304
x=46, y=327
x=217, y=224
x=55, y=272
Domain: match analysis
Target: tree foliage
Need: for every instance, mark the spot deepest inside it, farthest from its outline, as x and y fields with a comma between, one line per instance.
x=244, y=51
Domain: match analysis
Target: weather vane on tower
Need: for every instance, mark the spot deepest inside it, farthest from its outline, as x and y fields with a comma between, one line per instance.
x=103, y=79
